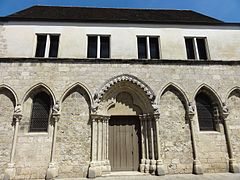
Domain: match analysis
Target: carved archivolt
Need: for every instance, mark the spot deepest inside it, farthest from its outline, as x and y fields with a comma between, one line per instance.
x=124, y=77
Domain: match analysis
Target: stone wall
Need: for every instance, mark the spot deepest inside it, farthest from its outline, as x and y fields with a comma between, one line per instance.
x=33, y=148
x=234, y=122
x=213, y=151
x=74, y=135
x=6, y=128
x=175, y=133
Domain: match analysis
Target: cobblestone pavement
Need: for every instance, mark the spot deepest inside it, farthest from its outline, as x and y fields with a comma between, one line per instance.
x=138, y=176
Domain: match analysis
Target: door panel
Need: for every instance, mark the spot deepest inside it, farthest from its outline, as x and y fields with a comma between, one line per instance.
x=124, y=143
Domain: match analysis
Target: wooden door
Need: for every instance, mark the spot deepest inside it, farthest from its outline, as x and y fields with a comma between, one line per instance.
x=124, y=143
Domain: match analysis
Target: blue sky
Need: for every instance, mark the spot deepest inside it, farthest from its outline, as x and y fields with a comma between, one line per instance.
x=226, y=10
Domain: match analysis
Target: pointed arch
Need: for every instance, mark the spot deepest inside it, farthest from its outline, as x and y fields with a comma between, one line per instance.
x=210, y=92
x=81, y=86
x=120, y=78
x=12, y=92
x=177, y=89
x=38, y=88
x=229, y=92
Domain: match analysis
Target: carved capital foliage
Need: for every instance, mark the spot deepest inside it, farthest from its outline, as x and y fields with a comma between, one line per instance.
x=56, y=117
x=191, y=110
x=17, y=117
x=99, y=118
x=225, y=111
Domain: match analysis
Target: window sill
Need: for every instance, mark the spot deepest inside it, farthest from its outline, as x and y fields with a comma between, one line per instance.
x=34, y=134
x=209, y=132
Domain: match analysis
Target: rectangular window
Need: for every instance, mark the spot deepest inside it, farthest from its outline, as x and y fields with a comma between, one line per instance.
x=142, y=48
x=98, y=47
x=54, y=41
x=47, y=45
x=41, y=45
x=92, y=47
x=196, y=48
x=154, y=48
x=148, y=47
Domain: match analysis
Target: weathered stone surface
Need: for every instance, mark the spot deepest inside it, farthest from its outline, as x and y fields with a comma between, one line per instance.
x=234, y=122
x=74, y=135
x=6, y=128
x=175, y=133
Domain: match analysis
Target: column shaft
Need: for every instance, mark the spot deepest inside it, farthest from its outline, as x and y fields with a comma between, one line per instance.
x=54, y=141
x=233, y=167
x=16, y=127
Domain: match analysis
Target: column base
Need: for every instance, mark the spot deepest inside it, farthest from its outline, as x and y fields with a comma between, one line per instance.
x=160, y=168
x=147, y=164
x=152, y=168
x=10, y=172
x=197, y=167
x=233, y=166
x=52, y=171
x=94, y=170
x=106, y=168
x=142, y=166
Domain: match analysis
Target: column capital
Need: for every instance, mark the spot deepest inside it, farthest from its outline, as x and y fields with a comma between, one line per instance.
x=56, y=117
x=17, y=117
x=191, y=110
x=97, y=118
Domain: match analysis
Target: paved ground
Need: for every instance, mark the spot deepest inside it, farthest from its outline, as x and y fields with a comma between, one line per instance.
x=138, y=176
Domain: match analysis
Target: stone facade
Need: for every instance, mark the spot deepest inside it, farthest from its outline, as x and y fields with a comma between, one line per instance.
x=85, y=93
x=75, y=89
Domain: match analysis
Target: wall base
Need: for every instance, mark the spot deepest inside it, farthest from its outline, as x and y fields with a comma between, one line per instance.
x=197, y=167
x=9, y=172
x=233, y=166
x=52, y=171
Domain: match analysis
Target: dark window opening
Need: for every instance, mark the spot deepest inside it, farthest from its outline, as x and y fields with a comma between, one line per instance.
x=154, y=48
x=41, y=45
x=104, y=51
x=202, y=49
x=92, y=47
x=40, y=113
x=198, y=50
x=190, y=48
x=54, y=41
x=142, y=47
x=205, y=113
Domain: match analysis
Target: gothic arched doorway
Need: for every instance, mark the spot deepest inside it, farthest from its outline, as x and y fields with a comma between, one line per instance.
x=124, y=132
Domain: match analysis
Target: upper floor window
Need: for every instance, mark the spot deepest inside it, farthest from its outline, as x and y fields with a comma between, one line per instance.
x=40, y=113
x=47, y=45
x=196, y=48
x=148, y=47
x=98, y=47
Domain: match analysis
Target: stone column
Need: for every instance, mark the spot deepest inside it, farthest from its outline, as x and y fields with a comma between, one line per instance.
x=143, y=159
x=160, y=166
x=197, y=167
x=107, y=162
x=52, y=170
x=106, y=168
x=233, y=167
x=152, y=161
x=99, y=164
x=10, y=171
x=147, y=161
